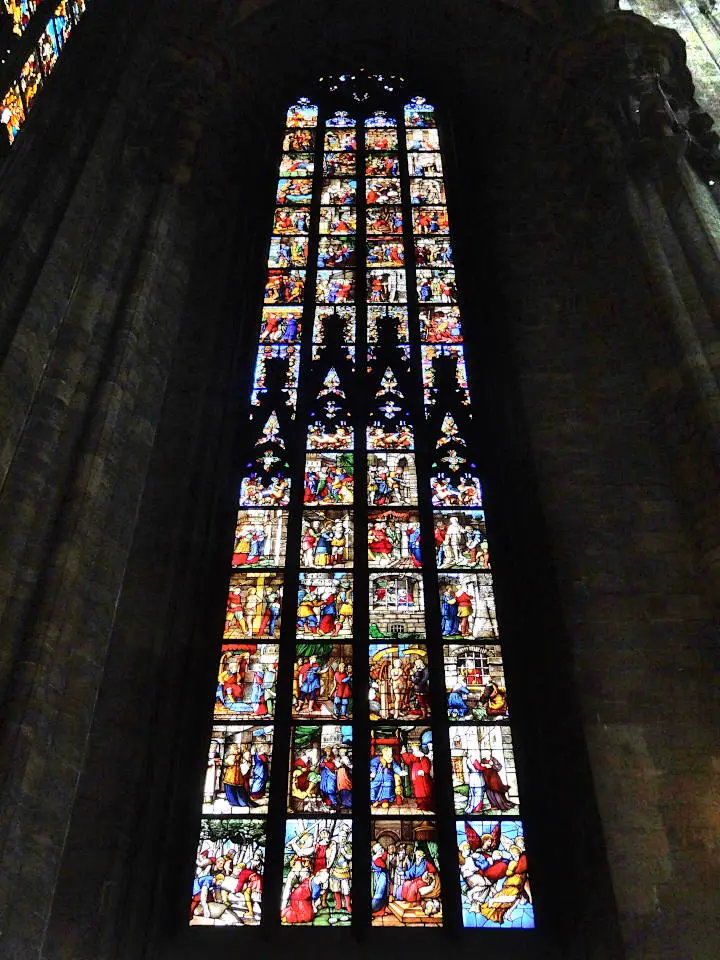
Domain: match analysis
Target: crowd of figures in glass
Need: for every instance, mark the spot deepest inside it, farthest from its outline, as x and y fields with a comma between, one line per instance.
x=17, y=100
x=364, y=427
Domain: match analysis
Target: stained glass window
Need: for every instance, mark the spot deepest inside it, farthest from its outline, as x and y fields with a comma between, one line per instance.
x=361, y=692
x=16, y=102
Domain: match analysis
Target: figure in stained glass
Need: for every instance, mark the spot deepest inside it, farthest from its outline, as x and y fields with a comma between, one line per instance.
x=320, y=769
x=467, y=605
x=399, y=681
x=341, y=140
x=433, y=251
x=299, y=140
x=425, y=140
x=280, y=324
x=405, y=875
x=391, y=479
x=483, y=769
x=297, y=165
x=285, y=286
x=338, y=220
x=253, y=606
x=326, y=538
x=322, y=681
x=288, y=252
x=436, y=285
x=289, y=220
x=325, y=605
x=394, y=539
x=475, y=682
x=430, y=220
x=450, y=361
x=386, y=286
x=419, y=113
x=336, y=252
x=265, y=489
x=494, y=874
x=401, y=770
x=425, y=164
x=227, y=889
x=384, y=220
x=427, y=192
x=302, y=114
x=440, y=325
x=317, y=874
x=340, y=118
x=386, y=436
x=382, y=165
x=385, y=252
x=328, y=479
x=246, y=680
x=12, y=113
x=335, y=286
x=382, y=190
x=381, y=139
x=339, y=164
x=450, y=492
x=31, y=79
x=338, y=192
x=260, y=538
x=460, y=539
x=243, y=771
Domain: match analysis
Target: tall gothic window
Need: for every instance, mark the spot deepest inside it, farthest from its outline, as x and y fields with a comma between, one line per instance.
x=361, y=744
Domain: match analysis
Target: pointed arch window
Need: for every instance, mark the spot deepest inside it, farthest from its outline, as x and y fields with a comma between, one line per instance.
x=362, y=743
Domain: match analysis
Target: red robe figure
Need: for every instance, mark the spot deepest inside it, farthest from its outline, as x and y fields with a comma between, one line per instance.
x=420, y=777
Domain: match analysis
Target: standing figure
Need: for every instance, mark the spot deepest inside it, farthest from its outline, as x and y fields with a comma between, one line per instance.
x=339, y=861
x=385, y=783
x=420, y=777
x=380, y=880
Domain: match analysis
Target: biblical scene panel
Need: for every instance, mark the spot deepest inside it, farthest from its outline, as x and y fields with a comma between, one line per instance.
x=227, y=889
x=63, y=23
x=392, y=480
x=475, y=682
x=328, y=479
x=325, y=605
x=494, y=875
x=425, y=164
x=430, y=220
x=382, y=165
x=336, y=252
x=338, y=192
x=451, y=359
x=330, y=435
x=253, y=606
x=335, y=286
x=380, y=119
x=425, y=191
x=382, y=139
x=299, y=140
x=286, y=359
x=419, y=113
x=31, y=79
x=396, y=605
x=451, y=492
x=260, y=538
x=49, y=48
x=467, y=605
x=302, y=114
x=317, y=873
x=12, y=111
x=394, y=539
x=326, y=539
x=385, y=252
x=247, y=678
x=440, y=325
x=386, y=286
x=384, y=220
x=382, y=190
x=320, y=769
x=401, y=770
x=342, y=140
x=297, y=165
x=425, y=140
x=238, y=774
x=461, y=539
x=21, y=12
x=436, y=285
x=322, y=681
x=338, y=220
x=294, y=190
x=399, y=681
x=340, y=118
x=281, y=324
x=483, y=770
x=285, y=286
x=338, y=164
x=258, y=490
x=433, y=250
x=289, y=220
x=405, y=873
x=288, y=252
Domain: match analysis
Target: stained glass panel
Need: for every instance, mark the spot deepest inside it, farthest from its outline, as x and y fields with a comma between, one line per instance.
x=241, y=754
x=405, y=873
x=392, y=480
x=328, y=479
x=399, y=681
x=493, y=874
x=317, y=874
x=394, y=539
x=325, y=605
x=467, y=605
x=326, y=538
x=475, y=682
x=247, y=679
x=320, y=769
x=229, y=868
x=253, y=606
x=461, y=539
x=322, y=681
x=483, y=768
x=401, y=770
x=260, y=538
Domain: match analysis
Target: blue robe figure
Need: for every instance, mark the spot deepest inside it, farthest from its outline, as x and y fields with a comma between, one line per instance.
x=323, y=549
x=457, y=701
x=450, y=623
x=382, y=779
x=328, y=781
x=414, y=547
x=258, y=775
x=380, y=881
